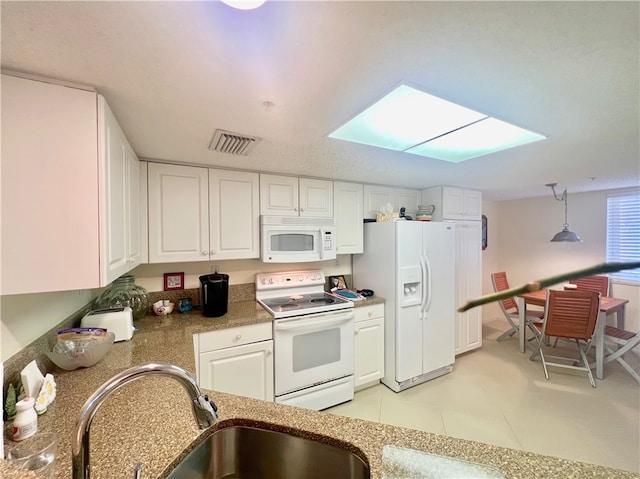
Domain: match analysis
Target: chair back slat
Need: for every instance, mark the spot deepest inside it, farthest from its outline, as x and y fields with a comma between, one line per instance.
x=571, y=314
x=596, y=283
x=500, y=283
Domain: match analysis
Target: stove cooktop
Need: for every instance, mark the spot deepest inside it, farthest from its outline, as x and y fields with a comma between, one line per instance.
x=301, y=304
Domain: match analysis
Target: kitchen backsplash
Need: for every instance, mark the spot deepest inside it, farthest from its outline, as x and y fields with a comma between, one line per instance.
x=36, y=350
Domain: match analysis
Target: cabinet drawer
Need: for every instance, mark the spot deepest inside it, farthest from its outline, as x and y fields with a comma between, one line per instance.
x=368, y=312
x=226, y=338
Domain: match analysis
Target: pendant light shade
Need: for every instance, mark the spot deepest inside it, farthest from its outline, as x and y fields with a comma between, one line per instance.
x=564, y=236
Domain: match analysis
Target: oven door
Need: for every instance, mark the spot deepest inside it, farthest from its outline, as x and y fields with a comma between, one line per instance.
x=312, y=349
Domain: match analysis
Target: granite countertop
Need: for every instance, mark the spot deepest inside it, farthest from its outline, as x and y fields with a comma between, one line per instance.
x=150, y=420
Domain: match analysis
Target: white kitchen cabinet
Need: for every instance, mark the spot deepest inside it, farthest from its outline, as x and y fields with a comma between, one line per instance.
x=369, y=345
x=453, y=203
x=376, y=197
x=234, y=220
x=348, y=210
x=201, y=214
x=237, y=361
x=120, y=215
x=67, y=205
x=291, y=196
x=468, y=239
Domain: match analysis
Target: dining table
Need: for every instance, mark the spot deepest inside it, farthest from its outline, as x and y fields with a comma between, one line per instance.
x=608, y=307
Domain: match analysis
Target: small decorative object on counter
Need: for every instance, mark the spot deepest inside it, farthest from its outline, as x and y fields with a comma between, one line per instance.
x=163, y=307
x=185, y=305
x=47, y=394
x=10, y=403
x=26, y=422
x=32, y=379
x=124, y=292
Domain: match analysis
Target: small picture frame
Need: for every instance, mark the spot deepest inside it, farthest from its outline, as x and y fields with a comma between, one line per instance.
x=337, y=282
x=173, y=281
x=484, y=232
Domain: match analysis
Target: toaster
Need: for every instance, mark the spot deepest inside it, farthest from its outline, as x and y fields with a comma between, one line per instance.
x=118, y=320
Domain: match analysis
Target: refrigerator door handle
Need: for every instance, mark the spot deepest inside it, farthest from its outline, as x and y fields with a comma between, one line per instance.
x=423, y=291
x=428, y=283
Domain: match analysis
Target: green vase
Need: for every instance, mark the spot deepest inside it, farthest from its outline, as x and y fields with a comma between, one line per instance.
x=124, y=292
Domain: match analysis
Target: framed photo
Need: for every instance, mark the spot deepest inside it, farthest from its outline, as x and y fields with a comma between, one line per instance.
x=337, y=282
x=173, y=281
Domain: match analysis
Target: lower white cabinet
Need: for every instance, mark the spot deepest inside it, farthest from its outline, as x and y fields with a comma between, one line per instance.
x=369, y=345
x=236, y=361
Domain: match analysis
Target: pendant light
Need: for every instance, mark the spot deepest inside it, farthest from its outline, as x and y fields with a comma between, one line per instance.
x=565, y=235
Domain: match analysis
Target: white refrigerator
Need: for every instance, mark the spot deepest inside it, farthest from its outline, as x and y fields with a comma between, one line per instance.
x=411, y=264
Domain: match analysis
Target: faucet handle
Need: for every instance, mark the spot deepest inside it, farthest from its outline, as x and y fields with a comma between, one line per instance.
x=137, y=471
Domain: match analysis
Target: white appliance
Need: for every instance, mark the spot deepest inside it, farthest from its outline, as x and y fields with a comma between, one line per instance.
x=412, y=265
x=312, y=339
x=297, y=239
x=118, y=320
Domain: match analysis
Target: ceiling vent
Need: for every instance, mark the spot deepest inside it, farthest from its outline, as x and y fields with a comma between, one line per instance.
x=233, y=143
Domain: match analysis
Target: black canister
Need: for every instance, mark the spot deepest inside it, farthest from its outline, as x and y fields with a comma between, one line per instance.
x=214, y=294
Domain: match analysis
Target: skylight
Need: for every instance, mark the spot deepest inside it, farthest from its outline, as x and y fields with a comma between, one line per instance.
x=416, y=122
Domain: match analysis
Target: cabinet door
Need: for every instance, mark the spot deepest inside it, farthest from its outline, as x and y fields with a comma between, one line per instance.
x=410, y=199
x=472, y=205
x=316, y=197
x=134, y=215
x=368, y=351
x=243, y=370
x=178, y=213
x=278, y=195
x=348, y=211
x=234, y=214
x=468, y=284
x=114, y=222
x=452, y=203
x=375, y=197
x=49, y=188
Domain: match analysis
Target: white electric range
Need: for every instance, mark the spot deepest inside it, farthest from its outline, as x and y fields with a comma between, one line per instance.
x=312, y=339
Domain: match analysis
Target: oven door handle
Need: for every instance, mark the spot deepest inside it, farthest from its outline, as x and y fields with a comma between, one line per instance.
x=310, y=323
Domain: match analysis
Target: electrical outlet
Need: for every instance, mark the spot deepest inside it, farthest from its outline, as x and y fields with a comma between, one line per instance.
x=215, y=268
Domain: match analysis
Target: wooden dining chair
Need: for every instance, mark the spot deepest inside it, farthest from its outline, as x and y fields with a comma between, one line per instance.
x=597, y=283
x=569, y=315
x=510, y=310
x=626, y=341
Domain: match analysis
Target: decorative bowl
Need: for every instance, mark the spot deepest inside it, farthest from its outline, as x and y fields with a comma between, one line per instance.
x=72, y=355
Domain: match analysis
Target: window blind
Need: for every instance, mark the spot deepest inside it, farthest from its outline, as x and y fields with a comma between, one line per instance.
x=623, y=233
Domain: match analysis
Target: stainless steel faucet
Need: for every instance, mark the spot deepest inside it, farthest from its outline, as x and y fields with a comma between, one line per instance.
x=205, y=411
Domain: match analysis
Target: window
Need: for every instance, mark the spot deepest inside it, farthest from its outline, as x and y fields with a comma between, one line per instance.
x=623, y=233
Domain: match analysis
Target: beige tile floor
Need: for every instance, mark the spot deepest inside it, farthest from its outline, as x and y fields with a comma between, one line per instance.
x=498, y=396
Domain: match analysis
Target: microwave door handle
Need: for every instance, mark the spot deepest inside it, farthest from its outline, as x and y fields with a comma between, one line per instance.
x=321, y=244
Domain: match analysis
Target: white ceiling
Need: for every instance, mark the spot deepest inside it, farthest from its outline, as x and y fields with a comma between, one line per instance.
x=173, y=72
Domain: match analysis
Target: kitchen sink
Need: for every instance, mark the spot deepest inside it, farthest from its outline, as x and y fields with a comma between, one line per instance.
x=252, y=453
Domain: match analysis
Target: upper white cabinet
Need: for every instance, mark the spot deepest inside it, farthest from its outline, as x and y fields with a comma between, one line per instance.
x=453, y=203
x=377, y=196
x=67, y=205
x=348, y=210
x=291, y=196
x=200, y=214
x=119, y=217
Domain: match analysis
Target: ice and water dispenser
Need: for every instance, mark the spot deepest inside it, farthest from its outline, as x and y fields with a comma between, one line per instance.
x=410, y=279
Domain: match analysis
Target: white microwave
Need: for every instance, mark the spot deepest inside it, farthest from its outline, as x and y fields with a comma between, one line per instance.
x=297, y=239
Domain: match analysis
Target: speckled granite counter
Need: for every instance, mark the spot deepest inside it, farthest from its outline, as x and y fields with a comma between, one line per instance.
x=150, y=420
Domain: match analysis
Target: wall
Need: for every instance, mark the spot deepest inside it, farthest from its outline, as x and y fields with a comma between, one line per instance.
x=26, y=317
x=525, y=252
